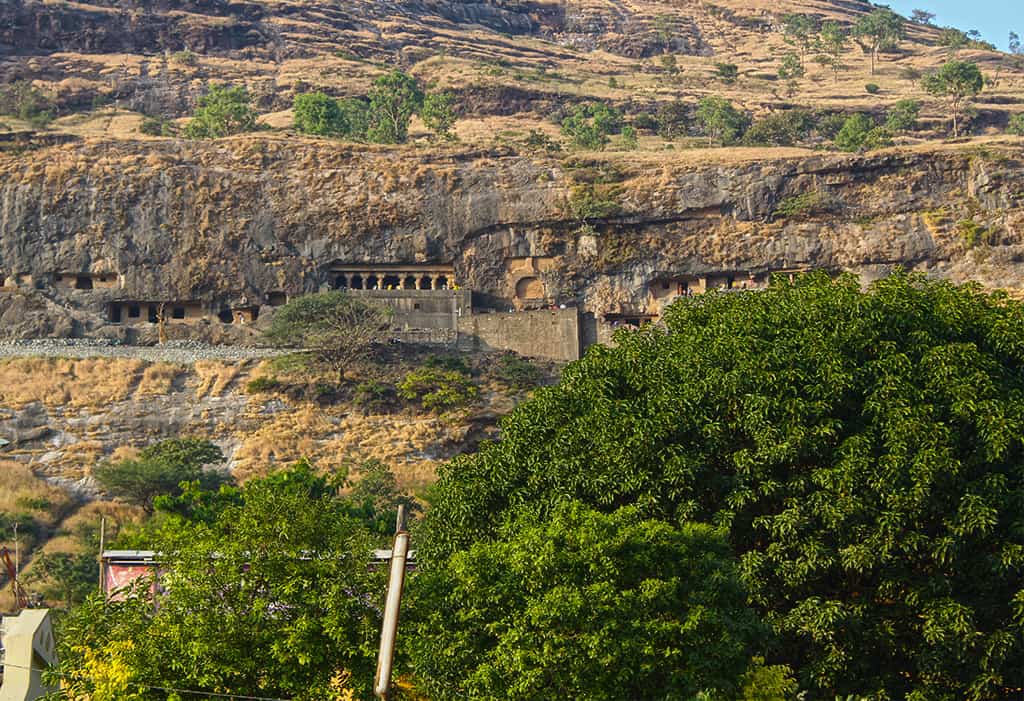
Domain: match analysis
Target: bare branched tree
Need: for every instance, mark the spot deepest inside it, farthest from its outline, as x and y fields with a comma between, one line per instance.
x=336, y=328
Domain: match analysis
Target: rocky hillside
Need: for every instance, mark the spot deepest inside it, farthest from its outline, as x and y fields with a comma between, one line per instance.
x=231, y=219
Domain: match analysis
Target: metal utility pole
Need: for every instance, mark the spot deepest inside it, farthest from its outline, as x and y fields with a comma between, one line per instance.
x=389, y=629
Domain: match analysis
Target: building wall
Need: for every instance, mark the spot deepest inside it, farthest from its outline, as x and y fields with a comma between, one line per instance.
x=553, y=334
x=423, y=309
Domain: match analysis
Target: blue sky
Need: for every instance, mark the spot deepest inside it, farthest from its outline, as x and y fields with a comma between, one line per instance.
x=993, y=18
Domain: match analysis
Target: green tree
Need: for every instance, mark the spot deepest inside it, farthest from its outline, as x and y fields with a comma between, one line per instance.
x=922, y=17
x=67, y=576
x=957, y=82
x=784, y=128
x=222, y=111
x=903, y=116
x=160, y=469
x=336, y=328
x=720, y=121
x=831, y=44
x=26, y=102
x=791, y=68
x=629, y=140
x=882, y=29
x=438, y=113
x=271, y=598
x=394, y=99
x=1016, y=125
x=1014, y=45
x=376, y=496
x=672, y=119
x=356, y=114
x=584, y=605
x=800, y=31
x=953, y=40
x=436, y=388
x=590, y=125
x=859, y=132
x=317, y=113
x=727, y=72
x=861, y=451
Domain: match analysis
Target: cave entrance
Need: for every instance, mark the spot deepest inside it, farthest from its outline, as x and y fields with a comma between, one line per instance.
x=391, y=282
x=357, y=282
x=225, y=315
x=409, y=283
x=83, y=282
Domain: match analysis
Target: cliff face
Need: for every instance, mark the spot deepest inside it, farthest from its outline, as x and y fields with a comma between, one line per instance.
x=226, y=223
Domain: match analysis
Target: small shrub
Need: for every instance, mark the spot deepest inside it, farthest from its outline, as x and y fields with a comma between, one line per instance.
x=903, y=116
x=590, y=202
x=539, y=141
x=828, y=125
x=629, y=141
x=261, y=384
x=374, y=397
x=780, y=129
x=645, y=121
x=185, y=57
x=437, y=389
x=872, y=88
x=801, y=205
x=974, y=234
x=1016, y=125
x=612, y=82
x=517, y=372
x=727, y=72
x=447, y=361
x=859, y=133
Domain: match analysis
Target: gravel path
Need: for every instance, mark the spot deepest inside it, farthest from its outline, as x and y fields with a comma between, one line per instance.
x=184, y=352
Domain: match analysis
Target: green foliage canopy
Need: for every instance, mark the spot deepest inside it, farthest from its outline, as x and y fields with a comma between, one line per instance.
x=394, y=98
x=438, y=113
x=878, y=30
x=160, y=469
x=272, y=597
x=859, y=132
x=224, y=110
x=862, y=451
x=957, y=82
x=720, y=120
x=590, y=125
x=319, y=114
x=584, y=605
x=903, y=116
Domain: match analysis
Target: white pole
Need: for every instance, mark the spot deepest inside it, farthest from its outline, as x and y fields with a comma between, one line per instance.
x=389, y=629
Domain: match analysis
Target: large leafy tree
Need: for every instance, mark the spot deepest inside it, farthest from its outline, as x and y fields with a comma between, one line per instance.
x=585, y=605
x=224, y=110
x=878, y=30
x=336, y=328
x=862, y=450
x=320, y=114
x=270, y=597
x=831, y=46
x=800, y=31
x=160, y=469
x=394, y=98
x=720, y=120
x=957, y=82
